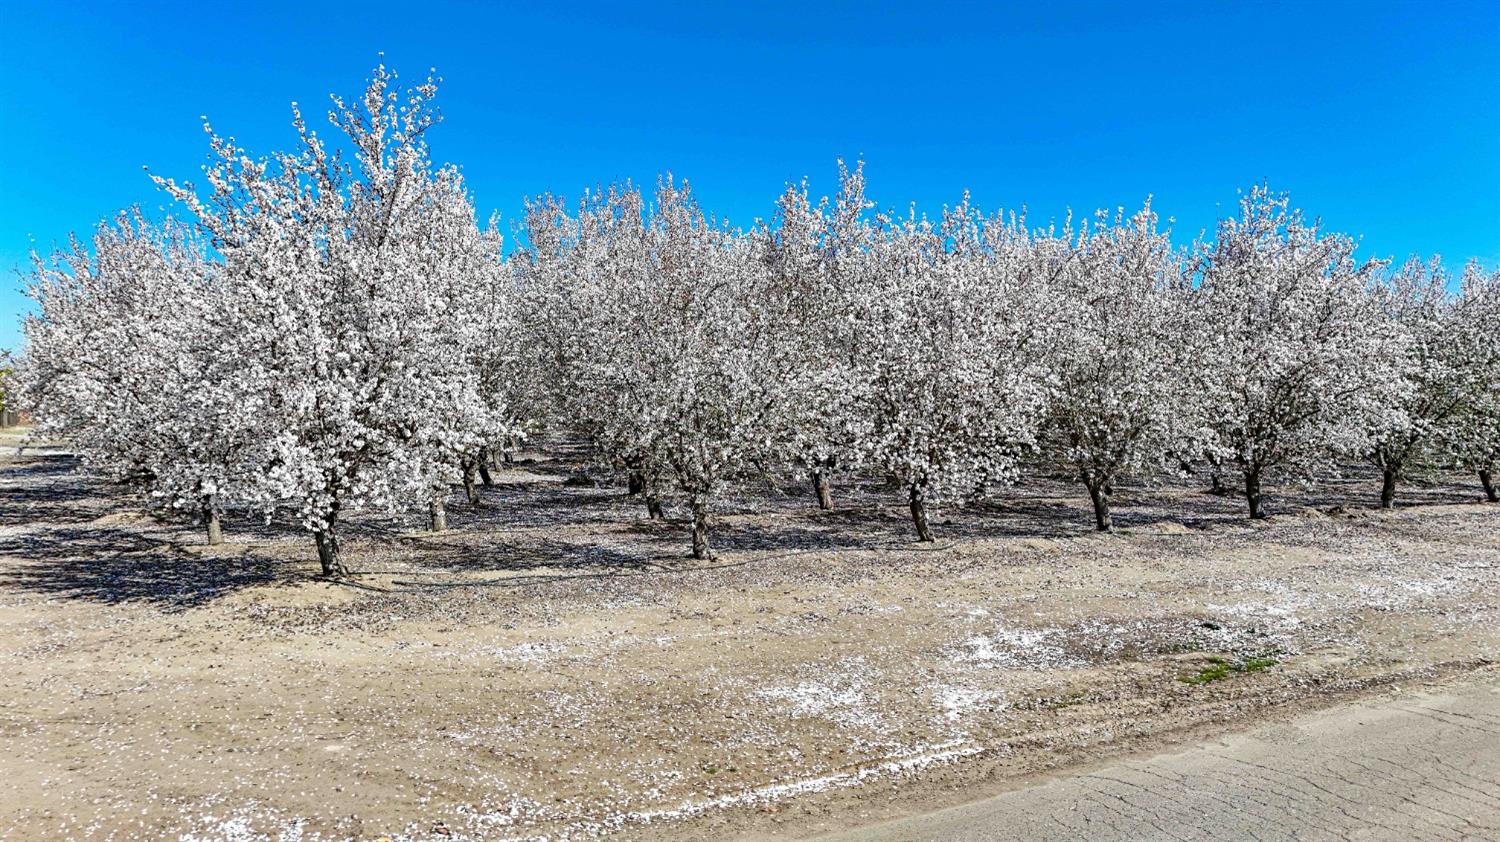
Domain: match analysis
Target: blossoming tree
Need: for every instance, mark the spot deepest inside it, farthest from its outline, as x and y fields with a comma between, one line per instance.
x=339, y=276
x=1121, y=403
x=1299, y=357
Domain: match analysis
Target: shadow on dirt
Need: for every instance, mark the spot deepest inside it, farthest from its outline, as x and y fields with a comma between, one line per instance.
x=112, y=565
x=533, y=530
x=457, y=556
x=51, y=489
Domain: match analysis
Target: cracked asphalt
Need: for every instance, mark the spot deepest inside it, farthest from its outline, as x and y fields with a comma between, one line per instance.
x=1419, y=767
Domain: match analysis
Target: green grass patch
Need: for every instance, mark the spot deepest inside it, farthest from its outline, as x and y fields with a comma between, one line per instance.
x=1221, y=668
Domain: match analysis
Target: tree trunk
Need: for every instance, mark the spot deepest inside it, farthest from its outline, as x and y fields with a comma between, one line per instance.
x=483, y=467
x=820, y=486
x=330, y=555
x=472, y=493
x=700, y=529
x=1388, y=487
x=637, y=483
x=653, y=508
x=1216, y=477
x=919, y=515
x=1099, y=492
x=1252, y=493
x=1488, y=481
x=211, y=522
x=437, y=515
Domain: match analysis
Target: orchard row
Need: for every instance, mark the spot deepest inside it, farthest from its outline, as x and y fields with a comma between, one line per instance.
x=331, y=328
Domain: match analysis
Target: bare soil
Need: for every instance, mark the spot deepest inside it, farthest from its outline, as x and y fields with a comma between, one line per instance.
x=556, y=667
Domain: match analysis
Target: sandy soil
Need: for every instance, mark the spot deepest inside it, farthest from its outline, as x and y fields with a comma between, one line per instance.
x=555, y=667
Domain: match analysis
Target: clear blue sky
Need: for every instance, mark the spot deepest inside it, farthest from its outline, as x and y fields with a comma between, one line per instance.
x=1384, y=119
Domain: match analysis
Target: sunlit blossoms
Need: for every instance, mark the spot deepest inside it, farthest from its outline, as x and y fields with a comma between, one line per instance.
x=348, y=281
x=1300, y=368
x=1467, y=435
x=331, y=329
x=1122, y=402
x=128, y=356
x=668, y=359
x=949, y=327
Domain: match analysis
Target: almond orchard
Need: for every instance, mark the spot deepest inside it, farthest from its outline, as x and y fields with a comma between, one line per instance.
x=331, y=329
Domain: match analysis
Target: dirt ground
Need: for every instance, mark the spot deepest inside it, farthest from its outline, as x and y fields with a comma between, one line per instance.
x=555, y=667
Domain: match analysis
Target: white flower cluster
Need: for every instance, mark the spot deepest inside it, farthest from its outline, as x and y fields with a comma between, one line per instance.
x=333, y=330
x=333, y=340
x=1312, y=357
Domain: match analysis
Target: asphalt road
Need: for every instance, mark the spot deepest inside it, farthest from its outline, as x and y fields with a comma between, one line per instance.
x=1415, y=768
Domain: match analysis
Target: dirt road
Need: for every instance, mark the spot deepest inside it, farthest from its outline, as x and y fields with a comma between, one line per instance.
x=1409, y=768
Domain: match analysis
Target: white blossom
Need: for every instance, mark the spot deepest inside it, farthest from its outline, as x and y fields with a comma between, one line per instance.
x=334, y=330
x=1297, y=369
x=948, y=324
x=127, y=357
x=345, y=280
x=1121, y=403
x=663, y=337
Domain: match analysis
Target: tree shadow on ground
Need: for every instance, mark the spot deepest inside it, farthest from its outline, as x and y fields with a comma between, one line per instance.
x=455, y=555
x=824, y=534
x=641, y=547
x=284, y=526
x=46, y=489
x=532, y=505
x=1360, y=489
x=115, y=566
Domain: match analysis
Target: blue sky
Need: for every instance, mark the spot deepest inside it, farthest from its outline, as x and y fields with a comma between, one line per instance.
x=1384, y=119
